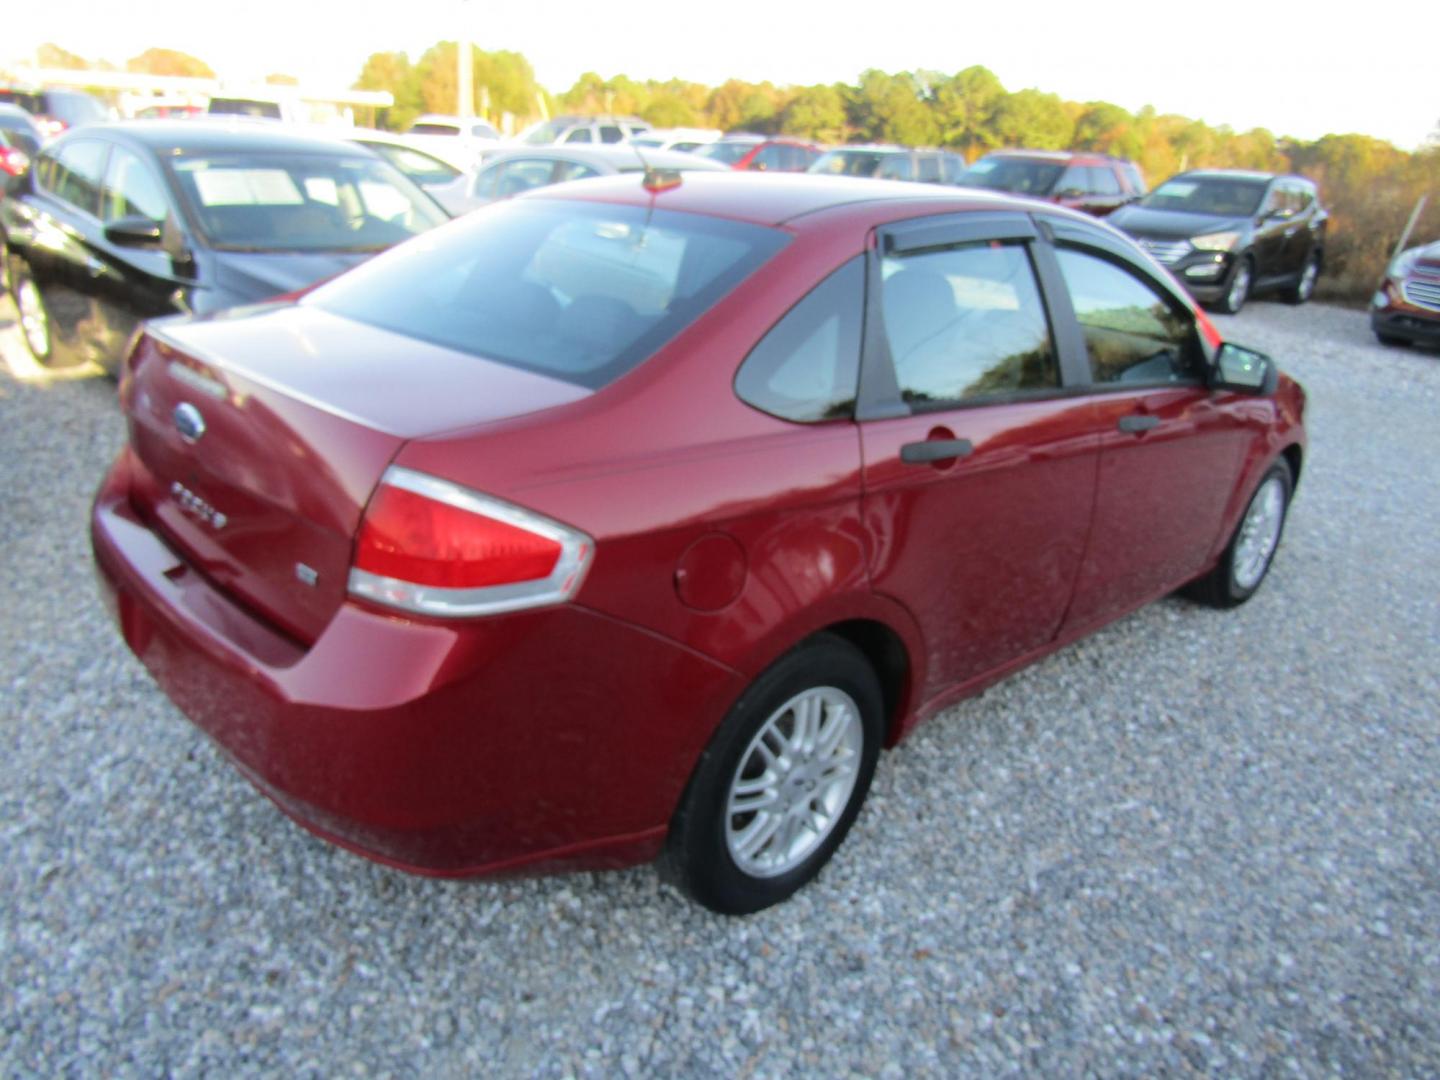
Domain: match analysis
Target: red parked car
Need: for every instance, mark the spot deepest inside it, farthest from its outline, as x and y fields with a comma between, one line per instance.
x=761, y=153
x=617, y=519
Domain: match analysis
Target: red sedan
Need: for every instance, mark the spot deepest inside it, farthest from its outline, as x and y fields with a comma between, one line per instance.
x=636, y=516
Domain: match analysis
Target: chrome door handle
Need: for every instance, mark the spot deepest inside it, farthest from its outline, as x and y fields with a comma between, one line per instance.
x=1137, y=424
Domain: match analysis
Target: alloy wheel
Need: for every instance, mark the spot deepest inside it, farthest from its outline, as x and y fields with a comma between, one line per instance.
x=794, y=782
x=34, y=322
x=1259, y=533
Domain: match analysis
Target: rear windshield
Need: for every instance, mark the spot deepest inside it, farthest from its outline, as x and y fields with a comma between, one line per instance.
x=1013, y=174
x=1221, y=196
x=850, y=162
x=302, y=202
x=726, y=152
x=257, y=110
x=578, y=291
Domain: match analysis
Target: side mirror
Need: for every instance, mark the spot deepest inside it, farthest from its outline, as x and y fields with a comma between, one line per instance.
x=134, y=231
x=1243, y=370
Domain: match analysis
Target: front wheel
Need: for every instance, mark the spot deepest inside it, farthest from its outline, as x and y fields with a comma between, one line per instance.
x=1246, y=559
x=781, y=782
x=1239, y=290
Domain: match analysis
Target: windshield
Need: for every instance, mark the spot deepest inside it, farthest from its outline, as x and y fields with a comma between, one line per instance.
x=259, y=201
x=1013, y=174
x=849, y=163
x=543, y=133
x=726, y=152
x=1219, y=196
x=578, y=291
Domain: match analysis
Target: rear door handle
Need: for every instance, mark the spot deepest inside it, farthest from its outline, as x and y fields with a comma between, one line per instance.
x=1138, y=424
x=920, y=453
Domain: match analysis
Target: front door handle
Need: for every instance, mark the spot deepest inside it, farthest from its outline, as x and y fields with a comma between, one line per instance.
x=921, y=453
x=1138, y=424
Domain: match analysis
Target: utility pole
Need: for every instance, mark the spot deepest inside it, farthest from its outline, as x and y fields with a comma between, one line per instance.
x=464, y=67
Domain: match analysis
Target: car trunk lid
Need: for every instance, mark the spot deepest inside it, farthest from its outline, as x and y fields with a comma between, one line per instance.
x=260, y=437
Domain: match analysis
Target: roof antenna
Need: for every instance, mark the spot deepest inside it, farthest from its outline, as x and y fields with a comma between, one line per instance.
x=655, y=180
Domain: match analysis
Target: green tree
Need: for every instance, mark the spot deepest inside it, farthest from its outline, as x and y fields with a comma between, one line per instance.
x=169, y=62
x=51, y=55
x=816, y=112
x=393, y=71
x=893, y=108
x=1035, y=120
x=965, y=106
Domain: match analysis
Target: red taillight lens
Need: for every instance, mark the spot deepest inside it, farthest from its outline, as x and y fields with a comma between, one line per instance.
x=431, y=546
x=13, y=161
x=416, y=539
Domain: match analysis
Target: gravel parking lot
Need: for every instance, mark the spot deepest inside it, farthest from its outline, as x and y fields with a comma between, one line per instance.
x=1197, y=843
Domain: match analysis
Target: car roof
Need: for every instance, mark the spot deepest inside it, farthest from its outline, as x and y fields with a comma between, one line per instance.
x=1233, y=174
x=207, y=136
x=775, y=198
x=612, y=156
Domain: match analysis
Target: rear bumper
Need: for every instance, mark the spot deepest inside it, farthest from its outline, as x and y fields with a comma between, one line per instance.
x=556, y=738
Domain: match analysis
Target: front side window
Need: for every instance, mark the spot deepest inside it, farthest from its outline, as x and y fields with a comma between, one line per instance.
x=966, y=323
x=896, y=167
x=771, y=157
x=577, y=291
x=1074, y=181
x=74, y=173
x=1012, y=174
x=1133, y=335
x=132, y=190
x=1103, y=180
x=259, y=201
x=806, y=367
x=572, y=170
x=727, y=153
x=611, y=134
x=579, y=135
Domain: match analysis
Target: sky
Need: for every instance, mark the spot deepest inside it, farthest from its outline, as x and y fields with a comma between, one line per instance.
x=1300, y=70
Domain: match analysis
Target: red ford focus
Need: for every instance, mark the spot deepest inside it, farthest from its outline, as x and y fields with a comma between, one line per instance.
x=617, y=520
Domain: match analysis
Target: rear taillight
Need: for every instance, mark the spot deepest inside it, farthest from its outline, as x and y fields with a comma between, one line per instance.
x=52, y=126
x=13, y=162
x=434, y=547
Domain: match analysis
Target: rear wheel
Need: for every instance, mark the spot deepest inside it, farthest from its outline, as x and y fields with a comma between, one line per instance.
x=1304, y=287
x=1247, y=557
x=34, y=314
x=781, y=782
x=1389, y=339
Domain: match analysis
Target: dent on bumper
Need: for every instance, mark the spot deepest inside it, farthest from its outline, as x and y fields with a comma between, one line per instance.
x=553, y=737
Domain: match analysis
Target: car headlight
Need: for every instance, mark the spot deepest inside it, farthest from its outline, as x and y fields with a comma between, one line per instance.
x=1402, y=264
x=1216, y=241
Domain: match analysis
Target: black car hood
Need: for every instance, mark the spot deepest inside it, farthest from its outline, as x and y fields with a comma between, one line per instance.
x=248, y=276
x=1172, y=224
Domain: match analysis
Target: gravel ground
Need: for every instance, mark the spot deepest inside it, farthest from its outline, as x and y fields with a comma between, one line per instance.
x=1197, y=843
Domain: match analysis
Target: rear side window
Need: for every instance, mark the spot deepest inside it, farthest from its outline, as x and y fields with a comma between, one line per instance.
x=579, y=135
x=1133, y=335
x=73, y=174
x=806, y=367
x=582, y=292
x=966, y=323
x=132, y=190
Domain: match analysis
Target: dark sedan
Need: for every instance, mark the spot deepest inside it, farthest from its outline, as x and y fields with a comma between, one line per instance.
x=509, y=173
x=120, y=223
x=1228, y=234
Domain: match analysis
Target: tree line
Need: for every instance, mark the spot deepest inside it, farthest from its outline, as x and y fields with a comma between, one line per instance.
x=1369, y=185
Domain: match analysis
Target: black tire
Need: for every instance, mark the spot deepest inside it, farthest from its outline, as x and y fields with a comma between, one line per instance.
x=36, y=326
x=1227, y=585
x=1390, y=339
x=1304, y=287
x=698, y=855
x=1239, y=287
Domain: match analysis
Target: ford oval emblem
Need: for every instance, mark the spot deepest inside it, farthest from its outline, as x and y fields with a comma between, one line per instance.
x=188, y=421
